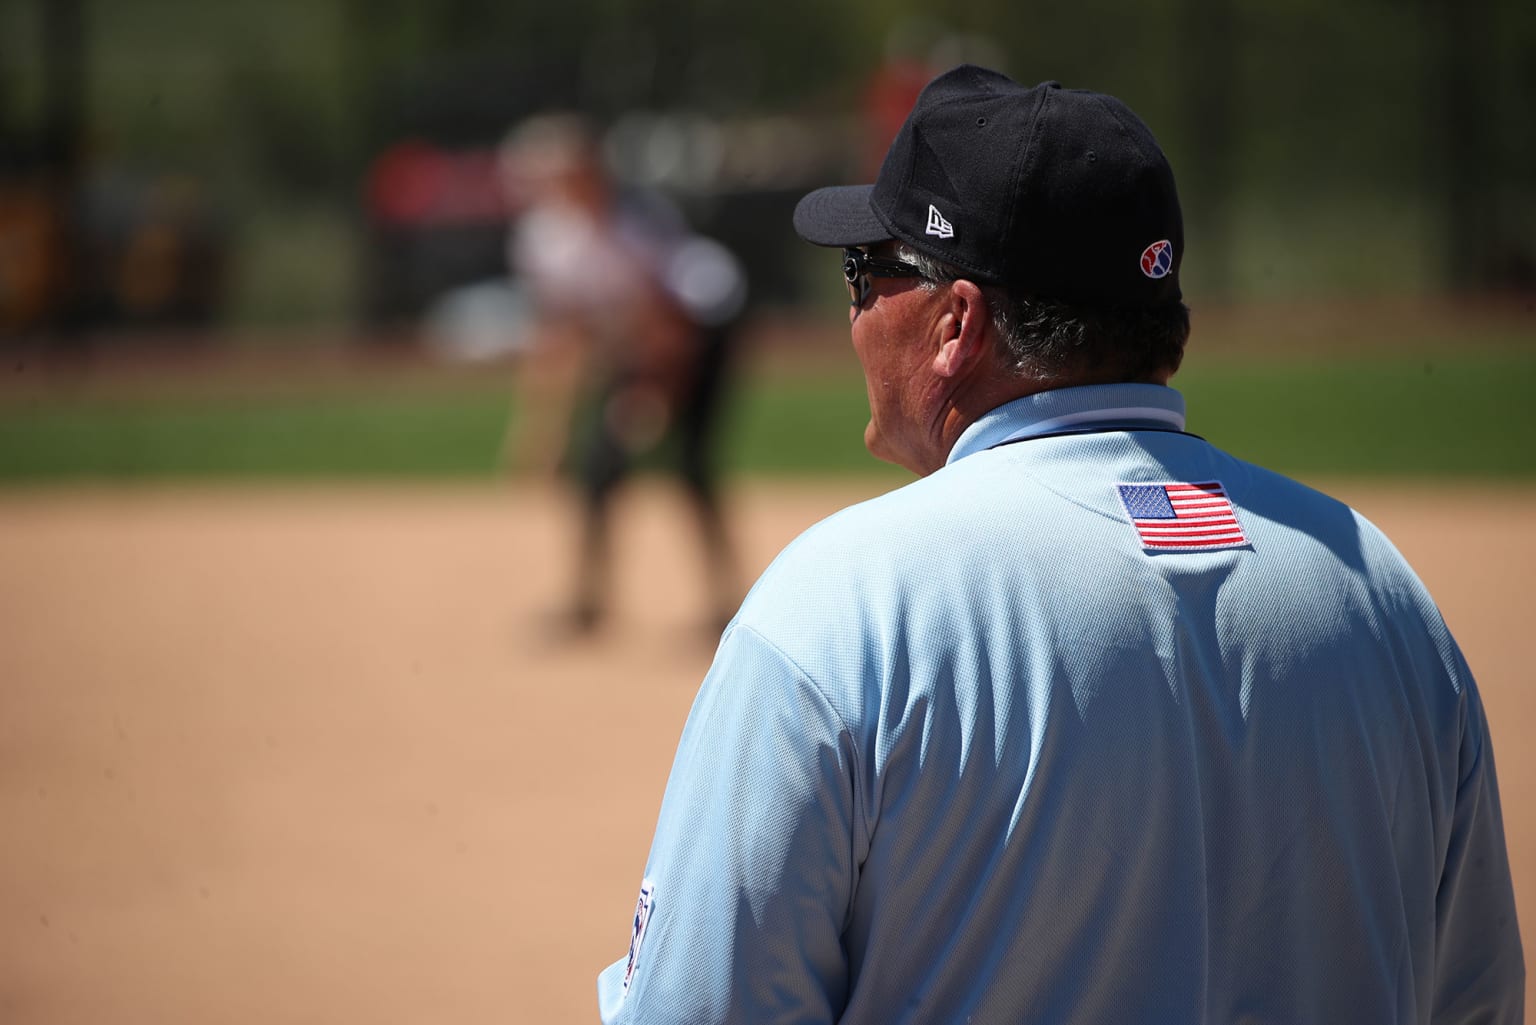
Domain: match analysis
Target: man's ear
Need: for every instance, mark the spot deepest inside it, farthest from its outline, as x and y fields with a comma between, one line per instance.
x=963, y=330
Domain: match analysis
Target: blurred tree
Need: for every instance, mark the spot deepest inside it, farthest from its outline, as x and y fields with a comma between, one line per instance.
x=1486, y=242
x=1209, y=58
x=1320, y=146
x=41, y=263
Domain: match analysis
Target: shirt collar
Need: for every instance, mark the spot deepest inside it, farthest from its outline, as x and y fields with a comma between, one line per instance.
x=1104, y=406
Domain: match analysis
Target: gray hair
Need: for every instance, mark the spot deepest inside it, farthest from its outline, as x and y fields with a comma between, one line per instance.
x=1045, y=340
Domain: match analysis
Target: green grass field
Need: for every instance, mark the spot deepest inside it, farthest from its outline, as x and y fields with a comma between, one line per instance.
x=1411, y=415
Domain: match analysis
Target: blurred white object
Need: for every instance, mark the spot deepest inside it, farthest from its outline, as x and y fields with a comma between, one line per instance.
x=475, y=323
x=707, y=279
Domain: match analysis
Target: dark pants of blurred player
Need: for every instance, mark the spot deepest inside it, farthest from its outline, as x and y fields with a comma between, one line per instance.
x=608, y=446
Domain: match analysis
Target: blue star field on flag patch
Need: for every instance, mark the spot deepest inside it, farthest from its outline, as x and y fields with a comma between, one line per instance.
x=1147, y=501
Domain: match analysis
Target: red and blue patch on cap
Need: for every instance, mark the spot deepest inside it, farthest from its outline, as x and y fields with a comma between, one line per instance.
x=1157, y=259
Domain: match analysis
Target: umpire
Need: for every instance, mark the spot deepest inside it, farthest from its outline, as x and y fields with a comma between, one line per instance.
x=1093, y=723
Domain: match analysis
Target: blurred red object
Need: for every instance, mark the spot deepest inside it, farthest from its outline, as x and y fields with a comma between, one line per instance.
x=414, y=183
x=888, y=99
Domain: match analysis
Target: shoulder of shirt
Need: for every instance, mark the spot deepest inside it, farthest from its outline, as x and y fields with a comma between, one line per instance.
x=831, y=591
x=1307, y=504
x=849, y=533
x=834, y=575
x=1358, y=543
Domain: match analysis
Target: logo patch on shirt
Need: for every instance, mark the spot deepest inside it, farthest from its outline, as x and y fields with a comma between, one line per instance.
x=1182, y=517
x=637, y=930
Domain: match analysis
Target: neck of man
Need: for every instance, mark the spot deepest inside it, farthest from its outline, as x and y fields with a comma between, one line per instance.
x=969, y=401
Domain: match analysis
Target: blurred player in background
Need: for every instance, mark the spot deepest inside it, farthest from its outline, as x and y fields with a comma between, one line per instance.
x=633, y=318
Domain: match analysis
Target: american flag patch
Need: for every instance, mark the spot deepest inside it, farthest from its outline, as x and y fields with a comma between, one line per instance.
x=1182, y=517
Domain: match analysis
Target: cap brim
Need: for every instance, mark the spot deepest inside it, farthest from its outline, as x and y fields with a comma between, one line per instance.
x=839, y=216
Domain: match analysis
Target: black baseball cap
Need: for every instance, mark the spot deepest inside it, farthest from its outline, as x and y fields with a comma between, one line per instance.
x=1060, y=194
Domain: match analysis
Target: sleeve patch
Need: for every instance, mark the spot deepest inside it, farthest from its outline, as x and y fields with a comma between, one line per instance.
x=643, y=907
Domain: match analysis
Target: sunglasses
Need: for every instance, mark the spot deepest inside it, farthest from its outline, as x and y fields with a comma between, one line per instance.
x=859, y=267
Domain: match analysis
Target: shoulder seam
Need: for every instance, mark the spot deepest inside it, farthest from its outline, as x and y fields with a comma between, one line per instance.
x=799, y=669
x=853, y=738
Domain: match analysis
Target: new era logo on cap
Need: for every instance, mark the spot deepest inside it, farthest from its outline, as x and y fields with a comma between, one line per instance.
x=938, y=225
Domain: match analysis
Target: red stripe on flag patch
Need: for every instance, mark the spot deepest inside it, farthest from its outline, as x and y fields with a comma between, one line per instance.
x=1182, y=517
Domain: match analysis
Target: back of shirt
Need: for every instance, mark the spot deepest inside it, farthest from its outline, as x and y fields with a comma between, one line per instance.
x=982, y=752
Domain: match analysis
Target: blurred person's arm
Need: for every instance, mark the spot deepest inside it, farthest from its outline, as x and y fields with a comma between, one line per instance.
x=663, y=353
x=549, y=382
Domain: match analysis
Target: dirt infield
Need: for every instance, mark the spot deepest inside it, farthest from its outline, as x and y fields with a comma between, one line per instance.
x=308, y=756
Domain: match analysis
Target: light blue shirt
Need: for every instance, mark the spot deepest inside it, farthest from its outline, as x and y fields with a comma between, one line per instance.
x=985, y=749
